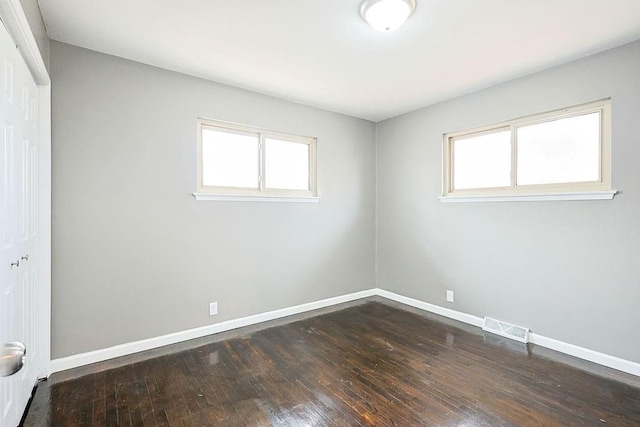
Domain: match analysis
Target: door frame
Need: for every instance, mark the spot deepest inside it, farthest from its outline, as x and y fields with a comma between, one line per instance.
x=15, y=20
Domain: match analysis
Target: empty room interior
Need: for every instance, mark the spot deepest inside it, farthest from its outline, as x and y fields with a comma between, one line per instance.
x=341, y=212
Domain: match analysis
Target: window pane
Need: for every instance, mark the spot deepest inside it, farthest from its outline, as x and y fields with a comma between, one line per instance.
x=286, y=165
x=561, y=151
x=482, y=161
x=229, y=159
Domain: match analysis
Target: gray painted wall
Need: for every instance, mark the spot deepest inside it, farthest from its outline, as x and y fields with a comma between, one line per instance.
x=135, y=256
x=567, y=270
x=34, y=17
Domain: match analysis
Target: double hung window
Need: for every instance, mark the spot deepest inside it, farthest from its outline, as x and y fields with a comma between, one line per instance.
x=236, y=160
x=564, y=151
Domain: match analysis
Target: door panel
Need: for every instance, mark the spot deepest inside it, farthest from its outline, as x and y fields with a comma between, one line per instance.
x=8, y=234
x=27, y=238
x=18, y=224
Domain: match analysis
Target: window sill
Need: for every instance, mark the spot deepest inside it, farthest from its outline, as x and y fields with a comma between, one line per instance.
x=591, y=195
x=230, y=198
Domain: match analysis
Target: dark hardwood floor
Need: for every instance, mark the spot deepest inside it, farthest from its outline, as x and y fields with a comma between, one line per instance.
x=369, y=364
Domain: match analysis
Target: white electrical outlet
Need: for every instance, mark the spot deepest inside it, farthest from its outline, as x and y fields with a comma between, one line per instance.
x=213, y=308
x=450, y=296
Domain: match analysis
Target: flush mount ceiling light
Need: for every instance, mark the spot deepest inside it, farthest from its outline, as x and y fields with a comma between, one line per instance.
x=386, y=15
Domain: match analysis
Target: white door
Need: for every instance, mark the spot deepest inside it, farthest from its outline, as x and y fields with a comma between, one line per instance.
x=18, y=224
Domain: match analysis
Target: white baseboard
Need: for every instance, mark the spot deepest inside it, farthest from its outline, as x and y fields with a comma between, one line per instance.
x=78, y=360
x=586, y=354
x=557, y=345
x=82, y=359
x=432, y=308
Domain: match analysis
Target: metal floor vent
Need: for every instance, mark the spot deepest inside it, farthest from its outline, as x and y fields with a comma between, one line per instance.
x=505, y=329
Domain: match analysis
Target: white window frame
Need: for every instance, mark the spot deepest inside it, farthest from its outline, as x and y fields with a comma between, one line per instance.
x=600, y=189
x=262, y=193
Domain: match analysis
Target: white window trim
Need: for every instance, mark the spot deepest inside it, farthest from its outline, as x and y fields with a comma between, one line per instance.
x=262, y=193
x=231, y=198
x=596, y=190
x=587, y=195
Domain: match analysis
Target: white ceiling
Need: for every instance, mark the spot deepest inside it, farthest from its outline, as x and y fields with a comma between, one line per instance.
x=321, y=53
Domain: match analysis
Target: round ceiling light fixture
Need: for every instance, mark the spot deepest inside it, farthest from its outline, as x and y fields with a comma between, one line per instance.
x=386, y=15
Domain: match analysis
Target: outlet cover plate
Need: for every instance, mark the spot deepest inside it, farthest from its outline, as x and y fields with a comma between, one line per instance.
x=450, y=296
x=213, y=308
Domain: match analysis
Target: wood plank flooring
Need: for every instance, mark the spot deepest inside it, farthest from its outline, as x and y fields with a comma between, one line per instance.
x=370, y=364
